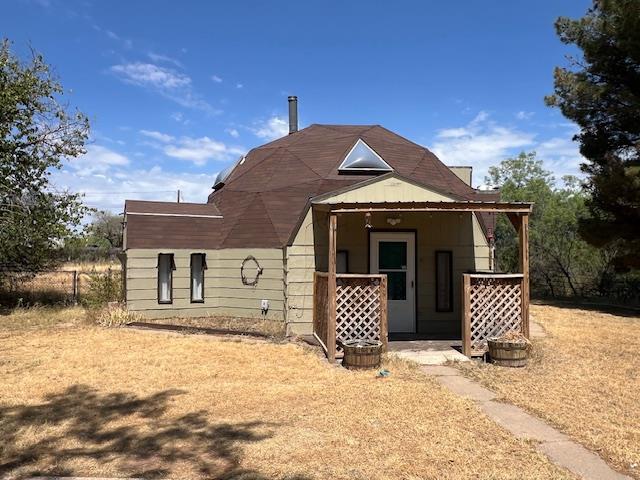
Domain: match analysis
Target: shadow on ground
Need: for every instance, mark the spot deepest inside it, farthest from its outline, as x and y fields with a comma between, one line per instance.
x=630, y=311
x=59, y=436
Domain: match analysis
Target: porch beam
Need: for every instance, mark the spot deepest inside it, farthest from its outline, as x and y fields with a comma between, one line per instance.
x=496, y=207
x=332, y=289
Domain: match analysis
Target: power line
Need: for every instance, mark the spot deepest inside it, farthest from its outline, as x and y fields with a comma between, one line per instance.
x=125, y=193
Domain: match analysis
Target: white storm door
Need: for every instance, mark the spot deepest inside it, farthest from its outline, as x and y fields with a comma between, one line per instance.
x=394, y=254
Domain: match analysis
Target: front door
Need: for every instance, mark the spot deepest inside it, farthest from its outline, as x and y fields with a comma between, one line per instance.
x=393, y=253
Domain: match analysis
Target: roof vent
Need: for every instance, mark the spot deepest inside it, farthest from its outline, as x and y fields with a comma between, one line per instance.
x=362, y=158
x=223, y=175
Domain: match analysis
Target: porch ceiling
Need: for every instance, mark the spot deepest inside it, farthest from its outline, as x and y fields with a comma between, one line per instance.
x=435, y=206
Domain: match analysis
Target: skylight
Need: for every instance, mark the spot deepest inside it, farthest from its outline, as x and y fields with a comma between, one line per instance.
x=362, y=158
x=224, y=174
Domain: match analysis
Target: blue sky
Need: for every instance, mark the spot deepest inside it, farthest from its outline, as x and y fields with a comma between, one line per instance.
x=176, y=91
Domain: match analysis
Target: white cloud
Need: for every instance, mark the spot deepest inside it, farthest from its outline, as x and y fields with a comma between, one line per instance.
x=201, y=150
x=561, y=155
x=483, y=143
x=216, y=78
x=167, y=82
x=198, y=150
x=161, y=137
x=157, y=57
x=150, y=75
x=271, y=129
x=522, y=115
x=180, y=118
x=233, y=132
x=97, y=159
x=108, y=192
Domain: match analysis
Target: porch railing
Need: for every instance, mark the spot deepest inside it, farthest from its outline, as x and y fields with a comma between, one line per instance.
x=360, y=310
x=492, y=305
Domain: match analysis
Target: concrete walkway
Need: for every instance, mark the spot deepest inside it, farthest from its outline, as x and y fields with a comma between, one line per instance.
x=560, y=449
x=427, y=352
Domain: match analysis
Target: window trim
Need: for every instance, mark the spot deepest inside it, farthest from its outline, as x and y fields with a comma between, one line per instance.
x=172, y=267
x=449, y=253
x=204, y=267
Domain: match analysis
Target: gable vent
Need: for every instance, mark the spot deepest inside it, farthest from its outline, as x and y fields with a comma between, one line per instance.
x=362, y=158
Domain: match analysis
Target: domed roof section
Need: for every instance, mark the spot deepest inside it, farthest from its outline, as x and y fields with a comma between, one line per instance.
x=265, y=194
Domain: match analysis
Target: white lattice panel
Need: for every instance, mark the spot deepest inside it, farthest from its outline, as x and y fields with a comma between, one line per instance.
x=496, y=308
x=358, y=309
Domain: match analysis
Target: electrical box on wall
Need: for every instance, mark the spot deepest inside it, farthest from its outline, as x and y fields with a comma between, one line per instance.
x=264, y=304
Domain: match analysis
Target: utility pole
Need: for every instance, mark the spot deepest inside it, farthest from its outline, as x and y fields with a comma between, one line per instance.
x=178, y=196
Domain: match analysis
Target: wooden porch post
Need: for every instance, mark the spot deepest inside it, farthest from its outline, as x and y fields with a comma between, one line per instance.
x=523, y=261
x=331, y=289
x=384, y=327
x=466, y=315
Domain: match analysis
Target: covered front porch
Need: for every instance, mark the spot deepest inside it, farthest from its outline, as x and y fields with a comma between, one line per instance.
x=415, y=271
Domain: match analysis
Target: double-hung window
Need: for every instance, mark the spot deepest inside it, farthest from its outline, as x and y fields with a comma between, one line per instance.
x=198, y=266
x=166, y=266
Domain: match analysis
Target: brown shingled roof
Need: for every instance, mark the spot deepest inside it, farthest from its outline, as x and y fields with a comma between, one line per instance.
x=172, y=225
x=171, y=208
x=263, y=198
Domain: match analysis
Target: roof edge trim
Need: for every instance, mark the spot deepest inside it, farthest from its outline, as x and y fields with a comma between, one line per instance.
x=371, y=181
x=149, y=214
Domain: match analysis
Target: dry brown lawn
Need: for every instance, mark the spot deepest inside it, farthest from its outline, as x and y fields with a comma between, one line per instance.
x=90, y=267
x=83, y=400
x=584, y=378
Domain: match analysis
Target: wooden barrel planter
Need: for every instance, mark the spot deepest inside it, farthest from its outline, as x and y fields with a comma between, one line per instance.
x=361, y=354
x=508, y=353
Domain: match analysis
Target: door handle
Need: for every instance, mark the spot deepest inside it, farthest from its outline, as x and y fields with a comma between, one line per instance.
x=411, y=283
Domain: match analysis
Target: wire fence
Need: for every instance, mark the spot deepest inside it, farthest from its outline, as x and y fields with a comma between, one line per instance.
x=66, y=287
x=623, y=291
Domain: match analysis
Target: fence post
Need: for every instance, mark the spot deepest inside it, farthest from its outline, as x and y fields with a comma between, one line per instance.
x=75, y=287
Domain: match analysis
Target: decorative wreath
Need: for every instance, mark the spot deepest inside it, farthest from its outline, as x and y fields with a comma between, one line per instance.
x=245, y=271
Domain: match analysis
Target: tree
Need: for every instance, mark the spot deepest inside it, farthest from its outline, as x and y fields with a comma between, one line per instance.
x=106, y=229
x=37, y=133
x=601, y=93
x=561, y=263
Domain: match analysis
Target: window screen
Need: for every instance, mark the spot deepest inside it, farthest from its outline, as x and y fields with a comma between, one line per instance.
x=165, y=277
x=444, y=282
x=198, y=266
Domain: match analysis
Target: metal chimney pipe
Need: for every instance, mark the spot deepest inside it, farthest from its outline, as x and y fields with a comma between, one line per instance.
x=293, y=114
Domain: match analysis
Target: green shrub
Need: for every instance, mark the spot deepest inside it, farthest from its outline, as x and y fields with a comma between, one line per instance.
x=104, y=287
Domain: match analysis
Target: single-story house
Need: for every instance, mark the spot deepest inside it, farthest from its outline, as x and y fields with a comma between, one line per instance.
x=347, y=230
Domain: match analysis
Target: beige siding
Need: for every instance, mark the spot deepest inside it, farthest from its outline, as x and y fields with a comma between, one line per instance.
x=300, y=263
x=463, y=173
x=389, y=190
x=225, y=294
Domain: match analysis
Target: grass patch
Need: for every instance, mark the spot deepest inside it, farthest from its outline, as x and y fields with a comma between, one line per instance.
x=584, y=377
x=41, y=317
x=91, y=401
